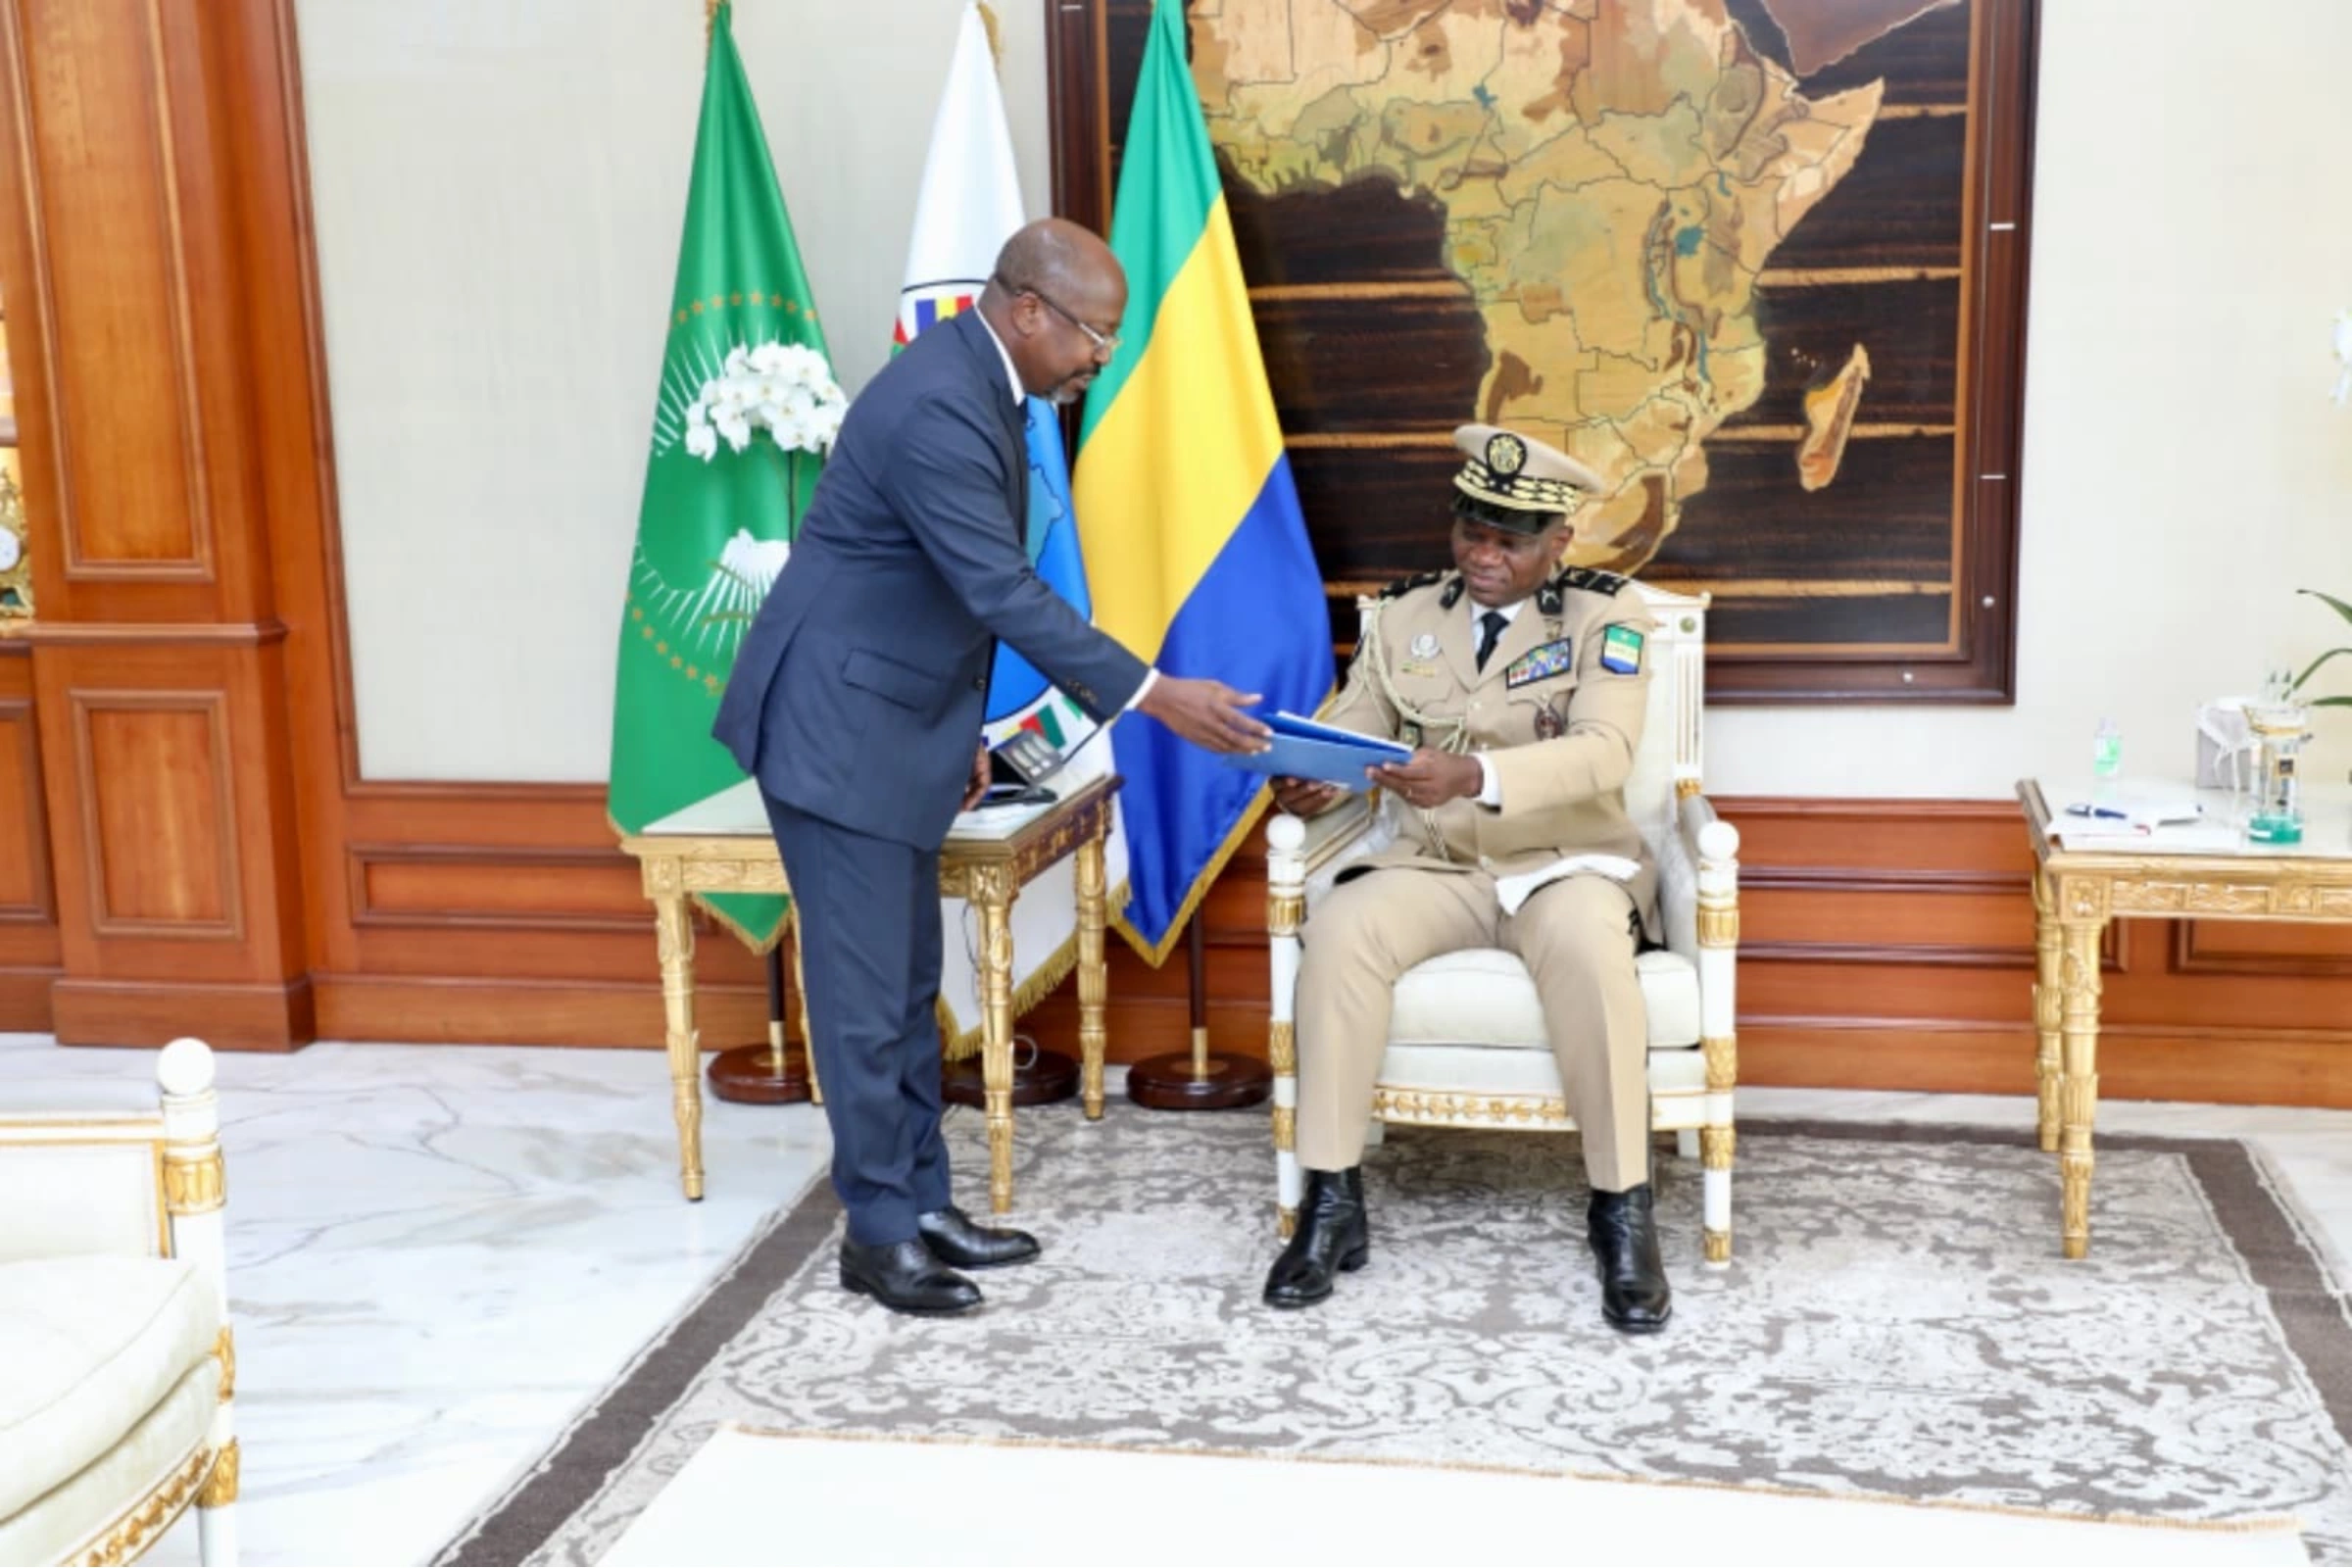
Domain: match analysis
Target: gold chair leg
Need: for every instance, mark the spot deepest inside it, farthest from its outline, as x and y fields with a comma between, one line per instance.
x=1716, y=1146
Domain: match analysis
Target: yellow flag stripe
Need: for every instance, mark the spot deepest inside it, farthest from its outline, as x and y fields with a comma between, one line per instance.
x=1175, y=464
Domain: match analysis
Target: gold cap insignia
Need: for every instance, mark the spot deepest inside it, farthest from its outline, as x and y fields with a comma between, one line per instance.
x=1506, y=470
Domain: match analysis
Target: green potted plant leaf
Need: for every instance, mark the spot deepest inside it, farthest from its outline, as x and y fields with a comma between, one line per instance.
x=2345, y=609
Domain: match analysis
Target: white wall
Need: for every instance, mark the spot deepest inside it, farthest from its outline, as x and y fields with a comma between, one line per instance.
x=499, y=185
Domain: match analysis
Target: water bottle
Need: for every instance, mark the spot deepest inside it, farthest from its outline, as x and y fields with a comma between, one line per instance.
x=2106, y=752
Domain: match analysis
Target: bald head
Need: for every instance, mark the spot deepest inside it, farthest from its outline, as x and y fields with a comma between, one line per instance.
x=1055, y=303
x=1058, y=257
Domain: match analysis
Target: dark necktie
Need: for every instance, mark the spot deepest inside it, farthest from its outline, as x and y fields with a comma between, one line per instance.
x=1489, y=632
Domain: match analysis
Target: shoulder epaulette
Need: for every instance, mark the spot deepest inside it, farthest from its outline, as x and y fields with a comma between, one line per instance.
x=1590, y=579
x=1405, y=585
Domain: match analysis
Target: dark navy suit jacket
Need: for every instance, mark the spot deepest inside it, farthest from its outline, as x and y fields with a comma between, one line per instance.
x=856, y=696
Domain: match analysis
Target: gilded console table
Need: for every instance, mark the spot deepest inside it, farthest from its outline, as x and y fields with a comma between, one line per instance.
x=723, y=845
x=2076, y=891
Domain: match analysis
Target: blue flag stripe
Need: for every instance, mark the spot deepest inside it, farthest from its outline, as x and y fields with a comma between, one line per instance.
x=1257, y=618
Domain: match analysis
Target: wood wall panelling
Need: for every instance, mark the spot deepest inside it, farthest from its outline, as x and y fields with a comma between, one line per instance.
x=25, y=891
x=172, y=842
x=28, y=940
x=117, y=298
x=159, y=827
x=158, y=665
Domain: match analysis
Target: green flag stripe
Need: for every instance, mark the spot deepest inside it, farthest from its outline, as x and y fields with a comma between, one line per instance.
x=1163, y=199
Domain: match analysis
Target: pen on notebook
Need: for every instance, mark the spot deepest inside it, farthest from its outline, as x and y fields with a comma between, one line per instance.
x=2098, y=811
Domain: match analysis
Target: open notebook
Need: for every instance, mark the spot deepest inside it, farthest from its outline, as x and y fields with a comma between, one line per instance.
x=2125, y=816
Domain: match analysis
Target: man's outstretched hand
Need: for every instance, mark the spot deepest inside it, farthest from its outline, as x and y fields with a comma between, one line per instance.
x=1209, y=714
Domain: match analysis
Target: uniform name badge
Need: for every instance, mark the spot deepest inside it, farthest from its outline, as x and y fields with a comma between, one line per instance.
x=1621, y=651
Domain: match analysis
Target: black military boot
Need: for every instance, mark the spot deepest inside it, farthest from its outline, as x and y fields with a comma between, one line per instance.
x=1332, y=1238
x=1634, y=1295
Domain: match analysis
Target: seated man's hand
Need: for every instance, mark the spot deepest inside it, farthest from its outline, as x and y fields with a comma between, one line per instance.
x=1431, y=778
x=1304, y=797
x=1209, y=714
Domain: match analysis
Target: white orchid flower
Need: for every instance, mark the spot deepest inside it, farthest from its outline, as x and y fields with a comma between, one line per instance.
x=783, y=388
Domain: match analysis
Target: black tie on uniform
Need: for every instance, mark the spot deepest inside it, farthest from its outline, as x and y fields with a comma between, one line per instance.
x=1489, y=632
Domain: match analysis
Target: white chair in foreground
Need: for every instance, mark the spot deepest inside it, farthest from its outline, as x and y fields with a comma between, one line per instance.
x=116, y=1365
x=1466, y=1040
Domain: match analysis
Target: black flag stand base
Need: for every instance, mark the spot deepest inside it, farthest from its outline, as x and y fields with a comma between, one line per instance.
x=1197, y=1079
x=764, y=1075
x=1038, y=1079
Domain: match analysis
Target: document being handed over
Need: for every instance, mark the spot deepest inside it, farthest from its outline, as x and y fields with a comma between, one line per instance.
x=1303, y=749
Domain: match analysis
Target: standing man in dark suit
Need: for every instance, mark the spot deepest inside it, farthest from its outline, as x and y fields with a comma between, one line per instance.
x=856, y=700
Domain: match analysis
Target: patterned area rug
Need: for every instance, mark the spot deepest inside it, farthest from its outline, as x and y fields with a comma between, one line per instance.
x=1897, y=1324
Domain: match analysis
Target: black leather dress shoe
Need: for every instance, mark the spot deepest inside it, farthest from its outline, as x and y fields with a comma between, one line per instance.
x=1334, y=1237
x=905, y=1277
x=953, y=1239
x=1634, y=1295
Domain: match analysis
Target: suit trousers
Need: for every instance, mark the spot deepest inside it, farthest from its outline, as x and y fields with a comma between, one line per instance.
x=871, y=934
x=1577, y=937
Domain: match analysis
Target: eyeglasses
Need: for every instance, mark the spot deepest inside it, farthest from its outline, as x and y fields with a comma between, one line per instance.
x=1106, y=344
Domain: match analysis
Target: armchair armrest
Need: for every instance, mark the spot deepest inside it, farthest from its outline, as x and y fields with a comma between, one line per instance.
x=1333, y=834
x=1713, y=848
x=140, y=1184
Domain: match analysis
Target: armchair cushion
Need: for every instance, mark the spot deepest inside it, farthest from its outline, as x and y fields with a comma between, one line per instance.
x=1488, y=1071
x=62, y=1525
x=1483, y=996
x=95, y=1343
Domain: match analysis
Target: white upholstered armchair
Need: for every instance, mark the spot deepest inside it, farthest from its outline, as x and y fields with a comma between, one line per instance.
x=115, y=1365
x=1466, y=1040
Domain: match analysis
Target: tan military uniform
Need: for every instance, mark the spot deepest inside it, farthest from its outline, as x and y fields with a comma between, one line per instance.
x=1557, y=711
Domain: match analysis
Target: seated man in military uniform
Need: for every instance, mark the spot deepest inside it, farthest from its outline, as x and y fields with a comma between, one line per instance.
x=1522, y=687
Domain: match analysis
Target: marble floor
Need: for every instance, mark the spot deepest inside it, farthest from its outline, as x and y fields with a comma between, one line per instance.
x=437, y=1255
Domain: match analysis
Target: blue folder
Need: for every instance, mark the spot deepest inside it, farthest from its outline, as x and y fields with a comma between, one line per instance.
x=1304, y=749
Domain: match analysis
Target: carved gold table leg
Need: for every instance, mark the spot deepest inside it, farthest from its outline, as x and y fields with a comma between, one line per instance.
x=674, y=931
x=2046, y=1012
x=800, y=984
x=2078, y=1089
x=1093, y=977
x=993, y=891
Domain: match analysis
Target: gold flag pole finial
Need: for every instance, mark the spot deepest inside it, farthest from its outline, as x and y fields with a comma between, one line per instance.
x=710, y=19
x=996, y=43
